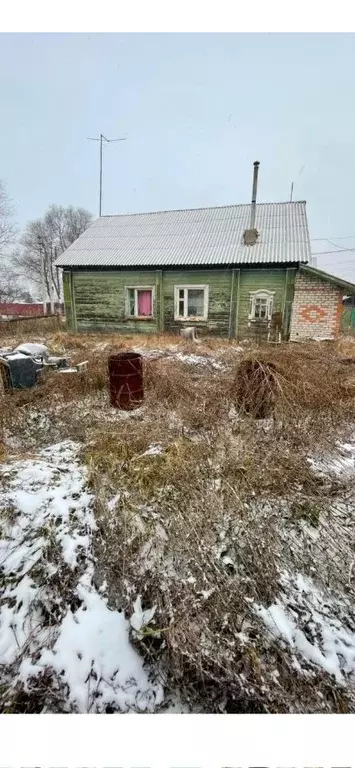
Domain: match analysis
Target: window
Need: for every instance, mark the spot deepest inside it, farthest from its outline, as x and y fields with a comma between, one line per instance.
x=139, y=302
x=261, y=303
x=191, y=302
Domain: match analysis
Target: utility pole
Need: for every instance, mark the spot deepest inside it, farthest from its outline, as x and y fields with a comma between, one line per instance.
x=51, y=297
x=108, y=141
x=44, y=299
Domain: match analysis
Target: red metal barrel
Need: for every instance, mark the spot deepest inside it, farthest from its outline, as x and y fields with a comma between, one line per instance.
x=125, y=372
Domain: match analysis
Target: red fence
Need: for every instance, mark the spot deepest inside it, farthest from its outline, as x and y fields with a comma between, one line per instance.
x=26, y=310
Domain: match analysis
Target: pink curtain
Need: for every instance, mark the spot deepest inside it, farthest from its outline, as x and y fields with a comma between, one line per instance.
x=145, y=303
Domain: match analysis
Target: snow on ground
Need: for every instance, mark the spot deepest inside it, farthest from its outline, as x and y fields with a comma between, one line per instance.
x=315, y=617
x=198, y=360
x=171, y=353
x=52, y=616
x=339, y=462
x=319, y=630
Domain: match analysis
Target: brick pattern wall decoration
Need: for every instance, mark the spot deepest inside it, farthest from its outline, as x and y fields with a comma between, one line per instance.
x=316, y=310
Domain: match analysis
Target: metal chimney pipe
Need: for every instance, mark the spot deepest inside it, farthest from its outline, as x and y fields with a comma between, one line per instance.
x=253, y=197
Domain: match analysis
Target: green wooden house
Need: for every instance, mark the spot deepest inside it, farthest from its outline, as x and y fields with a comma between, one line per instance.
x=235, y=271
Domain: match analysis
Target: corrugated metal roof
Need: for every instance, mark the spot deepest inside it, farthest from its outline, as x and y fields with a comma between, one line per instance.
x=194, y=237
x=309, y=270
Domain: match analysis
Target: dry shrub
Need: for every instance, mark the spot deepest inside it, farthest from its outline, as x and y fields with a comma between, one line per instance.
x=198, y=547
x=256, y=388
x=203, y=528
x=198, y=394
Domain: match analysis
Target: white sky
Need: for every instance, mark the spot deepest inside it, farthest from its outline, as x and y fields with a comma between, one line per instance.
x=197, y=110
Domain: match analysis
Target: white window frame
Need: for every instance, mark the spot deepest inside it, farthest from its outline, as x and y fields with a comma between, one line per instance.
x=188, y=318
x=261, y=294
x=137, y=288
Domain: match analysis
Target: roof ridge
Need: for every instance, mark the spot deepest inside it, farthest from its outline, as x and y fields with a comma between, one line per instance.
x=204, y=208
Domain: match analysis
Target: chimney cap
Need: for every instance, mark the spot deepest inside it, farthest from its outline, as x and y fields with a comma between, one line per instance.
x=256, y=162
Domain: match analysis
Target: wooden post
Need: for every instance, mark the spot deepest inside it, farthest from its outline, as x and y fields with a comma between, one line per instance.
x=287, y=300
x=159, y=300
x=72, y=298
x=234, y=304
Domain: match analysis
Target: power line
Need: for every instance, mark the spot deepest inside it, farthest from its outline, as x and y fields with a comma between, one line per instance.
x=332, y=237
x=340, y=250
x=335, y=245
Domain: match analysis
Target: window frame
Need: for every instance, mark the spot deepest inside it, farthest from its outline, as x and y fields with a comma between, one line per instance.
x=262, y=293
x=190, y=318
x=137, y=288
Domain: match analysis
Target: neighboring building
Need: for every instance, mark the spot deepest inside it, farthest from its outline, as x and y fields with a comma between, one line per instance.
x=237, y=271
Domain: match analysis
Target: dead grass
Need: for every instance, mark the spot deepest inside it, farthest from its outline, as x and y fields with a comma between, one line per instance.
x=203, y=527
x=30, y=325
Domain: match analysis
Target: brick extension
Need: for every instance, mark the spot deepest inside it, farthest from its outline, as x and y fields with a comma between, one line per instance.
x=317, y=308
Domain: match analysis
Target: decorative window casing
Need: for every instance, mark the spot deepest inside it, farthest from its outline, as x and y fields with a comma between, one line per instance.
x=140, y=302
x=191, y=302
x=261, y=306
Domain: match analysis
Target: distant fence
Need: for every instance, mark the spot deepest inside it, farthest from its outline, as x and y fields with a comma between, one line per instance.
x=13, y=309
x=36, y=325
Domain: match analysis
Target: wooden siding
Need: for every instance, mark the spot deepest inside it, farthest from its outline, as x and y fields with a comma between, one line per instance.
x=219, y=282
x=269, y=279
x=67, y=277
x=95, y=300
x=100, y=301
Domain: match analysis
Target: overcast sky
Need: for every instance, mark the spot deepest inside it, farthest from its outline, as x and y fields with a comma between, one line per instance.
x=197, y=110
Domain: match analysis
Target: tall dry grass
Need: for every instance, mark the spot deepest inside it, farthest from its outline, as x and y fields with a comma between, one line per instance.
x=203, y=526
x=29, y=326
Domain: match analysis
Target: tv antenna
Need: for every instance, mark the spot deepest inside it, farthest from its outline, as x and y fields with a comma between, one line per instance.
x=108, y=141
x=292, y=185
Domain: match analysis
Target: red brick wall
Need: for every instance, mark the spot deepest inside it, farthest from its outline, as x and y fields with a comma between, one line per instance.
x=316, y=309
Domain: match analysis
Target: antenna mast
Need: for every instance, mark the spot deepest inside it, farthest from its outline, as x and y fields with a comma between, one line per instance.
x=108, y=141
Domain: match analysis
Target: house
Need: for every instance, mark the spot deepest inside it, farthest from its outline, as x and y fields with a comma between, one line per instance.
x=238, y=271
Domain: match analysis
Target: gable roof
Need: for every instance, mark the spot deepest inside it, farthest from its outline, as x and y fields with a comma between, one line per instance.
x=194, y=237
x=349, y=287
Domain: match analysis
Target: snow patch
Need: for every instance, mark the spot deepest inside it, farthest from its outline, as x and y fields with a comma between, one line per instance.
x=140, y=618
x=320, y=630
x=33, y=350
x=172, y=354
x=52, y=616
x=199, y=360
x=338, y=463
x=153, y=450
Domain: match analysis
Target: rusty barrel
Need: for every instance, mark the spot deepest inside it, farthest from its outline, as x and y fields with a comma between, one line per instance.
x=125, y=372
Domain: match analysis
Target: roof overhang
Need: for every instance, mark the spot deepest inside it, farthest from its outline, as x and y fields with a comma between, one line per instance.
x=348, y=287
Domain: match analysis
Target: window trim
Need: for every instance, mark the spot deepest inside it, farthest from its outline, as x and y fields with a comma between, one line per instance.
x=190, y=318
x=137, y=288
x=262, y=293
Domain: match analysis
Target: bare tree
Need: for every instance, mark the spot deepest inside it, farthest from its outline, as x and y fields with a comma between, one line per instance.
x=7, y=230
x=44, y=240
x=11, y=288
